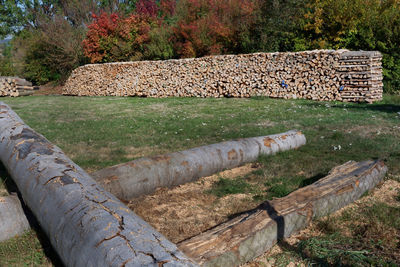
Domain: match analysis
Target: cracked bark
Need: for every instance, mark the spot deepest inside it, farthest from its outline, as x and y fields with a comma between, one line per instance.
x=76, y=213
x=252, y=233
x=143, y=176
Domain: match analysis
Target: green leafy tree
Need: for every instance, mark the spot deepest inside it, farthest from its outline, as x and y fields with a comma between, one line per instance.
x=355, y=25
x=280, y=26
x=6, y=64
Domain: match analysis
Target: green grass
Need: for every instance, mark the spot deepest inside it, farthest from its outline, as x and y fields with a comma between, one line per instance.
x=25, y=250
x=366, y=235
x=97, y=132
x=101, y=131
x=225, y=187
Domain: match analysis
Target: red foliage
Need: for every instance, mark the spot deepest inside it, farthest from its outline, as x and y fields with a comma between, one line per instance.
x=211, y=26
x=147, y=8
x=167, y=7
x=103, y=26
x=200, y=27
x=112, y=38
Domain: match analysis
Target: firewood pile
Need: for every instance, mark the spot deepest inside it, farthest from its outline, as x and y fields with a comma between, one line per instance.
x=361, y=76
x=318, y=75
x=14, y=86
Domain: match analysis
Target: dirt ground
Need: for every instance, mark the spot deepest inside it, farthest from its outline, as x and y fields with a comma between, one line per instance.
x=49, y=90
x=187, y=210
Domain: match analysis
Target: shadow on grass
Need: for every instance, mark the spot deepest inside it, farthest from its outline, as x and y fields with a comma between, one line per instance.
x=388, y=108
x=48, y=250
x=312, y=180
x=379, y=107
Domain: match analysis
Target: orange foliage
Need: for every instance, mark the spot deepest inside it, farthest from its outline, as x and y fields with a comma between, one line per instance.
x=112, y=38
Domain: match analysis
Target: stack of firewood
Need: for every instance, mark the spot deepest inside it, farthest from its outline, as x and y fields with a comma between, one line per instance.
x=14, y=86
x=361, y=76
x=317, y=75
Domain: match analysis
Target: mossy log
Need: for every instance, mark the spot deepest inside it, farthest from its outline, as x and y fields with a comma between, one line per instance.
x=144, y=175
x=86, y=225
x=253, y=233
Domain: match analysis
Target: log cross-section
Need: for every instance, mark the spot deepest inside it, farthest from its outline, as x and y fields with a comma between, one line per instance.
x=144, y=175
x=252, y=233
x=86, y=225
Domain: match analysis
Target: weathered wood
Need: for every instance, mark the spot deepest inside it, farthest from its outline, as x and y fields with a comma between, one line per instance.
x=143, y=176
x=252, y=233
x=86, y=225
x=12, y=218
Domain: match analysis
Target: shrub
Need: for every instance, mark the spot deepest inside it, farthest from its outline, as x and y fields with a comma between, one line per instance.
x=207, y=27
x=114, y=38
x=6, y=64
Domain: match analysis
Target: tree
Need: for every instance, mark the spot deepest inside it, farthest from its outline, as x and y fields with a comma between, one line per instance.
x=358, y=24
x=207, y=27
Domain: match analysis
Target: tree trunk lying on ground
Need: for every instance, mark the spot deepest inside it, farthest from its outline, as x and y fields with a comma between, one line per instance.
x=252, y=233
x=86, y=225
x=144, y=175
x=12, y=218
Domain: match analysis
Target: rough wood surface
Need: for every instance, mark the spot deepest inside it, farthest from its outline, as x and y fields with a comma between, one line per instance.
x=12, y=218
x=143, y=176
x=252, y=233
x=86, y=225
x=319, y=75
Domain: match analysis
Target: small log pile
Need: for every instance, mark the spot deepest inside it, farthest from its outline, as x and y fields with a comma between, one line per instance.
x=14, y=86
x=318, y=75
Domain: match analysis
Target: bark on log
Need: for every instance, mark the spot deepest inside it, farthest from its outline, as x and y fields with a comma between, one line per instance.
x=86, y=225
x=12, y=218
x=143, y=176
x=251, y=234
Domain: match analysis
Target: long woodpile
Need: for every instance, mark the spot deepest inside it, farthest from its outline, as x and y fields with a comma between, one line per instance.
x=14, y=86
x=319, y=75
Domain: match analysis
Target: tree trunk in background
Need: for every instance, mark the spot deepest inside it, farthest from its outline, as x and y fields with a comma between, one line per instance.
x=86, y=225
x=12, y=218
x=143, y=176
x=253, y=233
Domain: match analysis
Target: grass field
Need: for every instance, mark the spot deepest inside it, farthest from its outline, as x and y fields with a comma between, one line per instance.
x=102, y=131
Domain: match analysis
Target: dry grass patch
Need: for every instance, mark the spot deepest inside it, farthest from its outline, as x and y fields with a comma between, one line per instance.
x=188, y=209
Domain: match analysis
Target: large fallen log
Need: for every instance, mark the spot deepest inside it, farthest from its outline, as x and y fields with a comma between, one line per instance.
x=252, y=233
x=144, y=175
x=12, y=218
x=86, y=225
